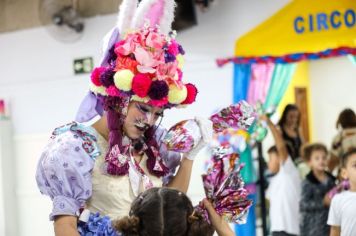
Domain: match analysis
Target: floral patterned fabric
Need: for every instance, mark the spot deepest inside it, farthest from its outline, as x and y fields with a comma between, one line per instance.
x=64, y=171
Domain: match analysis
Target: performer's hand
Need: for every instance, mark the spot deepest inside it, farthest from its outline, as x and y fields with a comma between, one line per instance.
x=206, y=131
x=221, y=226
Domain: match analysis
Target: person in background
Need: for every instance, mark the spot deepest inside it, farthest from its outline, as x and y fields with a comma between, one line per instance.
x=284, y=189
x=289, y=125
x=314, y=204
x=343, y=205
x=345, y=139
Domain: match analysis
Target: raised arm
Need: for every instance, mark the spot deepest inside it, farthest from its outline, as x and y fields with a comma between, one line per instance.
x=278, y=139
x=181, y=180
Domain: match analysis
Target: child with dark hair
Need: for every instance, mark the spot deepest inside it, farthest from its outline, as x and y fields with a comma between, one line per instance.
x=314, y=204
x=168, y=212
x=343, y=206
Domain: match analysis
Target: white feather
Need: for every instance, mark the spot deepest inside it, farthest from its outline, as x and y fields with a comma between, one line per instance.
x=166, y=20
x=168, y=16
x=143, y=8
x=126, y=13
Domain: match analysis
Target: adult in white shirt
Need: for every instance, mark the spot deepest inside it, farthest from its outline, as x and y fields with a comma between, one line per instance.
x=285, y=188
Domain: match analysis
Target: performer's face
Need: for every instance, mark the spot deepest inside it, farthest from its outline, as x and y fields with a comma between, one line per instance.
x=140, y=117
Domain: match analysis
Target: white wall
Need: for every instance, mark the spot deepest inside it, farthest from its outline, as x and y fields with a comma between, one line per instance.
x=36, y=75
x=333, y=86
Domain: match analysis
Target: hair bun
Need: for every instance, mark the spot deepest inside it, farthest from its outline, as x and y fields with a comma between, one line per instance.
x=198, y=226
x=192, y=219
x=129, y=225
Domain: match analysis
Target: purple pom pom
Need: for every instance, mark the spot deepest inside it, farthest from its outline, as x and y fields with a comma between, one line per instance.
x=107, y=78
x=181, y=50
x=169, y=57
x=158, y=90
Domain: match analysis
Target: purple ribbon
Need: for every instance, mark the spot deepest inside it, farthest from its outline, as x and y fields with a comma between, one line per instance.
x=91, y=106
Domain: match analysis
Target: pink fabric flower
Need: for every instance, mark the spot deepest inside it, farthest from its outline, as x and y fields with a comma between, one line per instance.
x=155, y=40
x=126, y=63
x=124, y=48
x=173, y=48
x=166, y=70
x=146, y=61
x=128, y=45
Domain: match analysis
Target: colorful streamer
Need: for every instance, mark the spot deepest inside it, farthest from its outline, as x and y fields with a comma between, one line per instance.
x=282, y=75
x=290, y=58
x=242, y=74
x=260, y=81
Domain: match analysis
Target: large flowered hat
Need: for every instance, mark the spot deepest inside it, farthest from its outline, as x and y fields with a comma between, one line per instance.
x=144, y=63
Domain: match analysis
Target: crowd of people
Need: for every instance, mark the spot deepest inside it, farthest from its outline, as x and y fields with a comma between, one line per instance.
x=322, y=201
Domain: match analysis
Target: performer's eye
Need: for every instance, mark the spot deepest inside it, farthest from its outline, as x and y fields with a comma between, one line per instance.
x=143, y=108
x=159, y=114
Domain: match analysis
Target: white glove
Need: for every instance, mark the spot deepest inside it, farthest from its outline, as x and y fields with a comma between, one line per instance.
x=206, y=131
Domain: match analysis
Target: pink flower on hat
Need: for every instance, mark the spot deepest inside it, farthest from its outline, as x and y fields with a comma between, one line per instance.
x=126, y=63
x=167, y=70
x=145, y=60
x=154, y=40
x=128, y=46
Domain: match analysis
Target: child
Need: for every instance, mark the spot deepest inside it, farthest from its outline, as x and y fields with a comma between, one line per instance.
x=159, y=211
x=284, y=189
x=342, y=214
x=314, y=204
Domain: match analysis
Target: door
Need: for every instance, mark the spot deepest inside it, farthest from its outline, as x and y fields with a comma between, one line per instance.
x=302, y=103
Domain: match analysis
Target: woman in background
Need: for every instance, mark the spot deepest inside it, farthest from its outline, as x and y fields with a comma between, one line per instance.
x=289, y=125
x=345, y=139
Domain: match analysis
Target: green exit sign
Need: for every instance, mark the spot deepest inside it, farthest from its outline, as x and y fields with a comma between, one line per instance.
x=83, y=65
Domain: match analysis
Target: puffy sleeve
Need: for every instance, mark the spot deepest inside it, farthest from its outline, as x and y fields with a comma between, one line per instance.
x=64, y=174
x=171, y=159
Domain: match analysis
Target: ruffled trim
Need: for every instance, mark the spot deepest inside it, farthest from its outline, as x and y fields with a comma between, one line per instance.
x=97, y=225
x=87, y=134
x=64, y=206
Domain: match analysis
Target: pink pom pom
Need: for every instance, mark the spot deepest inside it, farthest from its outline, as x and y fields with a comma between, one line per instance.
x=159, y=103
x=113, y=91
x=141, y=84
x=95, y=75
x=192, y=92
